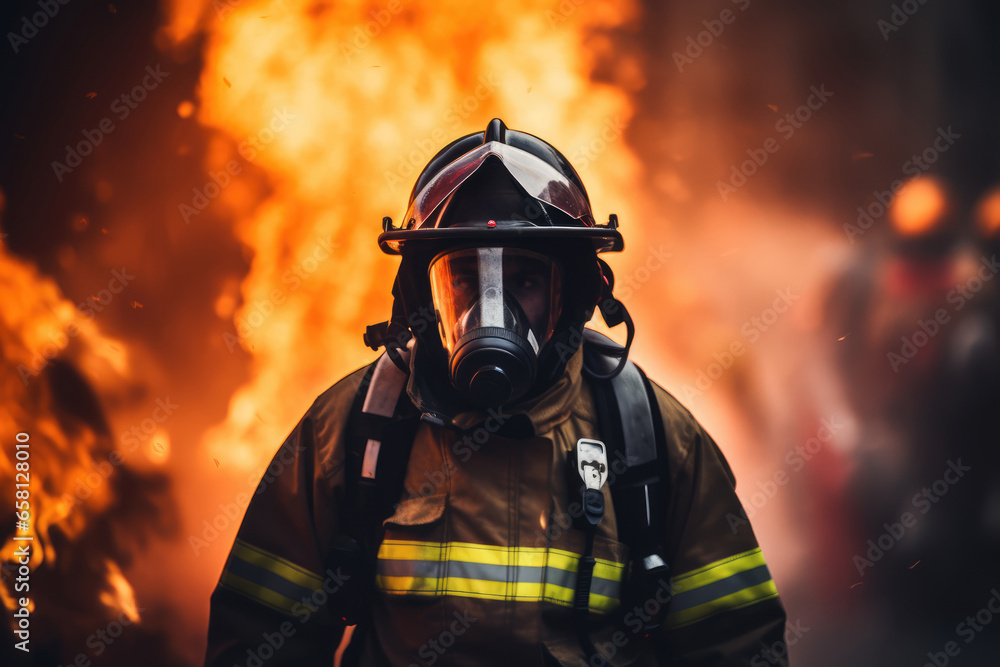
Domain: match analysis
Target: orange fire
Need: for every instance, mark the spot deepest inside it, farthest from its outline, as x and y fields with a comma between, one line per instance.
x=39, y=330
x=341, y=105
x=38, y=326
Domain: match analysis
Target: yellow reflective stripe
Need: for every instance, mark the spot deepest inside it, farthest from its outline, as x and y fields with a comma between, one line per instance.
x=606, y=569
x=726, y=584
x=400, y=550
x=552, y=560
x=263, y=595
x=277, y=564
x=601, y=603
x=457, y=586
x=564, y=560
x=414, y=585
x=490, y=590
x=559, y=594
x=737, y=600
x=718, y=570
x=268, y=579
x=494, y=555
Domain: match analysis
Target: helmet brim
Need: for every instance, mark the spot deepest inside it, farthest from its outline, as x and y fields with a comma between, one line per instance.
x=605, y=239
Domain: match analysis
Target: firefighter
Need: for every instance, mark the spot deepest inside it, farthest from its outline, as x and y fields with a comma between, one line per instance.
x=502, y=486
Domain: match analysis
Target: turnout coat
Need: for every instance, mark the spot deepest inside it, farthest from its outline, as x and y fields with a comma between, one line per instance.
x=478, y=563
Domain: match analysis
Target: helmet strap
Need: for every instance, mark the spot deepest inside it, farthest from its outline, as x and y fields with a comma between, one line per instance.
x=393, y=334
x=614, y=313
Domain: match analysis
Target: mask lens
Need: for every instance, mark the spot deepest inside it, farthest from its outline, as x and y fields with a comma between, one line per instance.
x=516, y=290
x=532, y=282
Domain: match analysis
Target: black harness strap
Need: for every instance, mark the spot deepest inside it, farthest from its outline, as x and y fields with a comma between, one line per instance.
x=370, y=497
x=581, y=602
x=357, y=437
x=631, y=426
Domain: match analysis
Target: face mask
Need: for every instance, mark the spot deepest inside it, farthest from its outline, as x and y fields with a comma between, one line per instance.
x=496, y=308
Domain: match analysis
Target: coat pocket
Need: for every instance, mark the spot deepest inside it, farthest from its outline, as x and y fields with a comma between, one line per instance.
x=412, y=559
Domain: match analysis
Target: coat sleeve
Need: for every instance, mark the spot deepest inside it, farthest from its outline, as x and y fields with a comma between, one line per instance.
x=276, y=597
x=725, y=609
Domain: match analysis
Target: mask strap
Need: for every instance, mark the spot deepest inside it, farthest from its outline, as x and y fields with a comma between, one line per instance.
x=393, y=334
x=614, y=313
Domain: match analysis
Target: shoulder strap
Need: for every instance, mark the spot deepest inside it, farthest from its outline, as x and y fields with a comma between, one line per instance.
x=379, y=436
x=625, y=410
x=631, y=424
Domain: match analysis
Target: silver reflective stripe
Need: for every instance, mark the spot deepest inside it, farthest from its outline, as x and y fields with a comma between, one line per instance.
x=719, y=589
x=451, y=569
x=652, y=561
x=491, y=287
x=383, y=393
x=606, y=587
x=370, y=462
x=268, y=579
x=533, y=341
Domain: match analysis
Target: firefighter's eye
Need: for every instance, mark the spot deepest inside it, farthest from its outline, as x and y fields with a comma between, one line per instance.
x=525, y=282
x=463, y=282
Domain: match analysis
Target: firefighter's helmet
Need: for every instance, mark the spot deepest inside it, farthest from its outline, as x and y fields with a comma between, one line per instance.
x=499, y=242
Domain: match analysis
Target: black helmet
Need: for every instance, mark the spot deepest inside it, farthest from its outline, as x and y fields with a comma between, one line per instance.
x=485, y=203
x=495, y=186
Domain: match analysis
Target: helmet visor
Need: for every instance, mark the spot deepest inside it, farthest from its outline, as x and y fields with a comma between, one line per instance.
x=539, y=180
x=508, y=288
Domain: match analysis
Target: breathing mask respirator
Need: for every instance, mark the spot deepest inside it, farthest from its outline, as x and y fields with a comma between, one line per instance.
x=496, y=308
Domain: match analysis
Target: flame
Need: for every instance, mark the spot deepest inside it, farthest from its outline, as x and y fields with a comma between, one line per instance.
x=341, y=105
x=36, y=326
x=119, y=594
x=39, y=328
x=918, y=207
